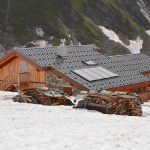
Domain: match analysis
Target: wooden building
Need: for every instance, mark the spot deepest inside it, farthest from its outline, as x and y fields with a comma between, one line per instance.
x=16, y=70
x=77, y=67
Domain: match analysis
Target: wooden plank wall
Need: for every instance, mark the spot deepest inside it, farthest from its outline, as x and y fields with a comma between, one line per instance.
x=5, y=70
x=145, y=96
x=36, y=78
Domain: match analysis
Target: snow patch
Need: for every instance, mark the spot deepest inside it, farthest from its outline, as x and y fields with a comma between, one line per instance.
x=111, y=35
x=40, y=32
x=146, y=109
x=148, y=32
x=134, y=46
x=143, y=9
x=41, y=43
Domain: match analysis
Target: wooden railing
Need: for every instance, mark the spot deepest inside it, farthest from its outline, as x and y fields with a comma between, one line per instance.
x=23, y=78
x=11, y=79
x=6, y=81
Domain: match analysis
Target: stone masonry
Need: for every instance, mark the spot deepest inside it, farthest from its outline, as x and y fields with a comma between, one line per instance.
x=55, y=83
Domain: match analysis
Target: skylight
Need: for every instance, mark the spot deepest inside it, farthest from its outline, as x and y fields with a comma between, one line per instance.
x=90, y=62
x=97, y=73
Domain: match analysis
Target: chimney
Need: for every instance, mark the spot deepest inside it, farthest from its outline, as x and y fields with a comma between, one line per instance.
x=71, y=42
x=99, y=50
x=62, y=51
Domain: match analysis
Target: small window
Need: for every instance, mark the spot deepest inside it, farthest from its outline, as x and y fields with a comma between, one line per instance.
x=11, y=67
x=90, y=62
x=142, y=90
x=99, y=50
x=135, y=90
x=30, y=67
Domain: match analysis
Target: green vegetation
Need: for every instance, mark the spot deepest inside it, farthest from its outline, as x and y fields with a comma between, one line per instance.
x=118, y=51
x=81, y=17
x=125, y=23
x=3, y=6
x=79, y=5
x=56, y=41
x=90, y=33
x=29, y=15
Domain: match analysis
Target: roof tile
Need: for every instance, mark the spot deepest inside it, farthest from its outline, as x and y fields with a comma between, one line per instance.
x=128, y=67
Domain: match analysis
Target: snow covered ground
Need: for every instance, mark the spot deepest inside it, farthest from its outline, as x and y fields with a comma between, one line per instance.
x=36, y=127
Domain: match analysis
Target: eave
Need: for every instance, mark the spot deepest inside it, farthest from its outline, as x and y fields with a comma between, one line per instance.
x=8, y=58
x=129, y=87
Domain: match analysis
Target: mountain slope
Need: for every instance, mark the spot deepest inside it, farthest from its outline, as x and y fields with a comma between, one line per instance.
x=79, y=19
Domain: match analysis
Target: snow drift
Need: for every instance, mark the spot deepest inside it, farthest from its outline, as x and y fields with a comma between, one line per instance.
x=30, y=127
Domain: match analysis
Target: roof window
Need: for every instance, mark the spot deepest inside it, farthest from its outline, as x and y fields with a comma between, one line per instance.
x=97, y=73
x=90, y=62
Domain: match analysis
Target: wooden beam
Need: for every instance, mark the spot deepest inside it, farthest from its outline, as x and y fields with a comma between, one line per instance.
x=6, y=59
x=146, y=73
x=37, y=82
x=130, y=87
x=23, y=72
x=146, y=88
x=129, y=91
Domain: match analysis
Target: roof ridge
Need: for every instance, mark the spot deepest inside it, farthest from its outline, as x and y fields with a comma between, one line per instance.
x=54, y=46
x=126, y=55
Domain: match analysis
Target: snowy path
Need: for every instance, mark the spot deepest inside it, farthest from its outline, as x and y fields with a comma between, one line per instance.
x=37, y=127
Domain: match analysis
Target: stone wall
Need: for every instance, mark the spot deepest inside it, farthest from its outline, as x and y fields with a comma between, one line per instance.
x=56, y=84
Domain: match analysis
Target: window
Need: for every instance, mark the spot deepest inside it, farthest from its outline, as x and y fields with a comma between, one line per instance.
x=90, y=62
x=11, y=67
x=142, y=90
x=135, y=90
x=30, y=67
x=95, y=73
x=139, y=90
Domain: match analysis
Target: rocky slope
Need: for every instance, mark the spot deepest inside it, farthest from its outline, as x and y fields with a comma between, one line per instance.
x=51, y=20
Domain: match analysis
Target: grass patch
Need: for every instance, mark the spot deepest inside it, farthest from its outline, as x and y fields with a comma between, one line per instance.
x=119, y=51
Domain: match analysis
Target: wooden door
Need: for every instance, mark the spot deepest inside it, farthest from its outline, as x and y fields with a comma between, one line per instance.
x=11, y=71
x=23, y=72
x=68, y=90
x=148, y=92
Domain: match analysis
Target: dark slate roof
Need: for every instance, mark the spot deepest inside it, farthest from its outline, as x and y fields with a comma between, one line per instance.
x=128, y=67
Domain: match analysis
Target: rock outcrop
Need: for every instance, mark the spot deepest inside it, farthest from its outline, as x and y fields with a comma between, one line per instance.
x=76, y=21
